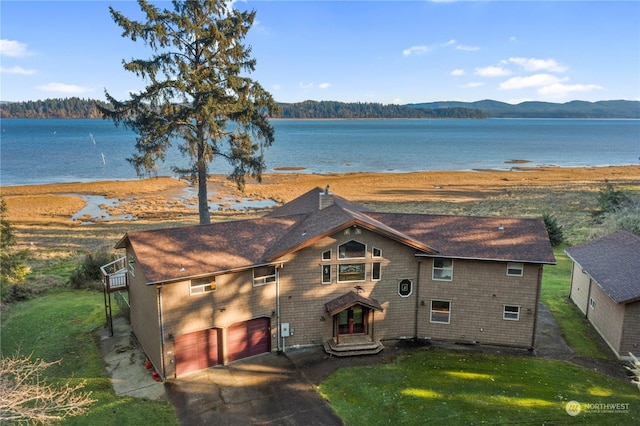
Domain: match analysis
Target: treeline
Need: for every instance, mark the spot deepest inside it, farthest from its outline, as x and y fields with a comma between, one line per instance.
x=52, y=108
x=86, y=108
x=331, y=109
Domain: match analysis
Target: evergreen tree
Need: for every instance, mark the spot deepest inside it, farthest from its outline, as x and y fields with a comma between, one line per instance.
x=196, y=87
x=556, y=237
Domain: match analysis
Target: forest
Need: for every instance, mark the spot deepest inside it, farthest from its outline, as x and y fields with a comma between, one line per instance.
x=86, y=108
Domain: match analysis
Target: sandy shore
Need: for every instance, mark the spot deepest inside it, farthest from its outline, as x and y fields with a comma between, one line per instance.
x=166, y=198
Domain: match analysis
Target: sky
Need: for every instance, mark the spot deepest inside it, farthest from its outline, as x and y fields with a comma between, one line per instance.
x=351, y=51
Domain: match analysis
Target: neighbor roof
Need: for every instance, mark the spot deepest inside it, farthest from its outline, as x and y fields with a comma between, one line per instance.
x=174, y=254
x=613, y=262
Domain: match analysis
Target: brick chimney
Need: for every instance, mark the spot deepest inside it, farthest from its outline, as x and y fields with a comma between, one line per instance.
x=326, y=198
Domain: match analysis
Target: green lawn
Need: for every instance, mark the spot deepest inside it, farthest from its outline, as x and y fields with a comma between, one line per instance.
x=578, y=333
x=465, y=388
x=60, y=326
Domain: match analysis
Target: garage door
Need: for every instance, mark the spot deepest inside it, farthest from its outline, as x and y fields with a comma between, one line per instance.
x=249, y=338
x=196, y=351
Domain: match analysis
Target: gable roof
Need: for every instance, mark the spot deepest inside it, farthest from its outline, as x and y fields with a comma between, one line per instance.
x=613, y=262
x=348, y=300
x=175, y=254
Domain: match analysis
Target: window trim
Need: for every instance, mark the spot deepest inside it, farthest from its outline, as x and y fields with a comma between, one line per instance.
x=373, y=252
x=433, y=269
x=201, y=284
x=431, y=312
x=410, y=287
x=515, y=266
x=264, y=279
x=592, y=303
x=323, y=275
x=326, y=259
x=364, y=272
x=505, y=313
x=364, y=250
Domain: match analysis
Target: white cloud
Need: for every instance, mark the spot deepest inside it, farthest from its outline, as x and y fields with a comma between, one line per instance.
x=534, y=64
x=324, y=85
x=306, y=85
x=64, y=88
x=450, y=43
x=13, y=48
x=513, y=39
x=457, y=72
x=415, y=50
x=536, y=80
x=559, y=89
x=467, y=48
x=492, y=71
x=472, y=85
x=276, y=87
x=17, y=70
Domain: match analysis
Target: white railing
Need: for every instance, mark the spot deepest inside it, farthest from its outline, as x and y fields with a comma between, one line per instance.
x=114, y=275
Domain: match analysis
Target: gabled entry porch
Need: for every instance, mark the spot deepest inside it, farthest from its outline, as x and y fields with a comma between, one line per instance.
x=353, y=325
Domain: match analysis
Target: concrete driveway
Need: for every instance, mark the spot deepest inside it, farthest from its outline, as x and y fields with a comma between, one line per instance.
x=263, y=390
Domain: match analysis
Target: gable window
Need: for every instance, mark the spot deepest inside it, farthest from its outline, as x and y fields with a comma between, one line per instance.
x=376, y=252
x=511, y=312
x=264, y=275
x=592, y=303
x=351, y=272
x=351, y=249
x=326, y=274
x=326, y=255
x=202, y=285
x=515, y=269
x=442, y=269
x=405, y=287
x=441, y=311
x=375, y=271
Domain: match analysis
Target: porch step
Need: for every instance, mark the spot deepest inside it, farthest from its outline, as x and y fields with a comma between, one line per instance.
x=370, y=348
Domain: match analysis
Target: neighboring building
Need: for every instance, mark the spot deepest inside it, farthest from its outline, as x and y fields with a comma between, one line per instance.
x=605, y=285
x=321, y=270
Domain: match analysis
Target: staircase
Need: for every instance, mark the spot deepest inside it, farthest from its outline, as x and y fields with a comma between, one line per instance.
x=353, y=346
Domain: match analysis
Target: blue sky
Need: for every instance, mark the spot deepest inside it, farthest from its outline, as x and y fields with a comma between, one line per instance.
x=352, y=51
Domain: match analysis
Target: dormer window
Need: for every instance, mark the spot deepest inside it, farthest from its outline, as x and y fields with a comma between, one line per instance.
x=352, y=250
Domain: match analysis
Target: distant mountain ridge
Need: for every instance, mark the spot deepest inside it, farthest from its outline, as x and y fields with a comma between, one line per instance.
x=622, y=109
x=531, y=109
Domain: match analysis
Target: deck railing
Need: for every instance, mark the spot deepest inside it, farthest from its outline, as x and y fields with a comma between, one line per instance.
x=114, y=275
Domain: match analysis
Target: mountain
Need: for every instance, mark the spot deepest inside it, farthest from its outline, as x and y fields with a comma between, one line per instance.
x=573, y=109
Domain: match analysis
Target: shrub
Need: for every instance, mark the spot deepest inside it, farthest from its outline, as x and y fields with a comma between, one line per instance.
x=87, y=274
x=13, y=269
x=609, y=199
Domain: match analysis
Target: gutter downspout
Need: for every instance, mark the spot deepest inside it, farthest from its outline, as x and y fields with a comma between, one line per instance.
x=415, y=323
x=278, y=332
x=535, y=311
x=162, y=341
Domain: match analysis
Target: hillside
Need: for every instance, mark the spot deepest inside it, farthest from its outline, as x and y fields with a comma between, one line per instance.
x=573, y=109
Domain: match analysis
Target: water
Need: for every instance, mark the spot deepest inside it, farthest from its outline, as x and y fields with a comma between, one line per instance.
x=35, y=151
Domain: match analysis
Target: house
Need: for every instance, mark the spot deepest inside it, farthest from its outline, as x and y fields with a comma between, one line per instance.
x=321, y=270
x=605, y=285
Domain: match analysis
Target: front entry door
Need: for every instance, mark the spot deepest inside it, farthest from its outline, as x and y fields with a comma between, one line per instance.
x=352, y=321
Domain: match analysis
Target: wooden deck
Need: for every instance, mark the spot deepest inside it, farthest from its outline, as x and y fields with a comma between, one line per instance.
x=353, y=345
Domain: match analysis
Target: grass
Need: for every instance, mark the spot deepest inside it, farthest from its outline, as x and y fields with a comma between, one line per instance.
x=60, y=325
x=577, y=331
x=466, y=388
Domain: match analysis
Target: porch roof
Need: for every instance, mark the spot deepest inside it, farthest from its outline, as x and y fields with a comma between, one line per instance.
x=348, y=300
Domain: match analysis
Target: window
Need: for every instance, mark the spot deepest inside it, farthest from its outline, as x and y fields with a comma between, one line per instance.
x=515, y=269
x=442, y=269
x=375, y=271
x=326, y=255
x=351, y=249
x=511, y=313
x=376, y=252
x=326, y=274
x=592, y=303
x=405, y=287
x=440, y=311
x=351, y=272
x=264, y=275
x=131, y=261
x=202, y=285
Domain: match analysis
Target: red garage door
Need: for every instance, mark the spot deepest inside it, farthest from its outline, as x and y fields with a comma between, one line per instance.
x=196, y=351
x=249, y=338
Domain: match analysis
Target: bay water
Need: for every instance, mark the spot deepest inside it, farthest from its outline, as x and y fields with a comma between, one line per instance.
x=37, y=151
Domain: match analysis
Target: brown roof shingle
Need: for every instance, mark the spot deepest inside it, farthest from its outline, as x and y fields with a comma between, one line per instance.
x=614, y=264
